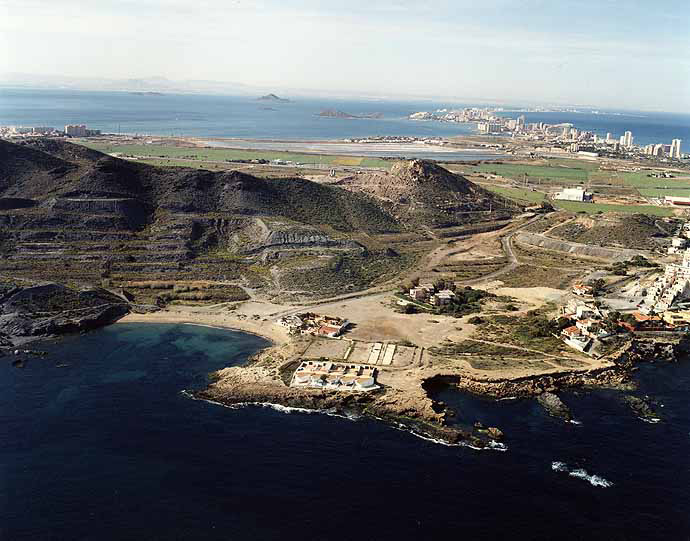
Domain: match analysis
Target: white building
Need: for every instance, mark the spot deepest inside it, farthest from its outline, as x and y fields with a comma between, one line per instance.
x=628, y=138
x=673, y=286
x=443, y=298
x=678, y=244
x=574, y=194
x=675, y=149
x=75, y=130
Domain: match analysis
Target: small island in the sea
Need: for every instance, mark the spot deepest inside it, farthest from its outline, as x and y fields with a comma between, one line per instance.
x=333, y=113
x=272, y=97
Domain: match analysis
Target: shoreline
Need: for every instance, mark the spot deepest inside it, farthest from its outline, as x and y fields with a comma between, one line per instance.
x=217, y=321
x=406, y=400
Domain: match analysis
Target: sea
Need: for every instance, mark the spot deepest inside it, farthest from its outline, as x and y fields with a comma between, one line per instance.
x=243, y=117
x=100, y=441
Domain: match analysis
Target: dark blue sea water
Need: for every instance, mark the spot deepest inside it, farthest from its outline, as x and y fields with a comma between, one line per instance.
x=97, y=443
x=245, y=117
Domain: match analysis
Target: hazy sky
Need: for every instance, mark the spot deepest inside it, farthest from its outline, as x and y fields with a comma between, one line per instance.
x=629, y=54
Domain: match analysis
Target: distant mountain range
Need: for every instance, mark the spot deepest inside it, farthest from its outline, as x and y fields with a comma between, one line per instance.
x=142, y=85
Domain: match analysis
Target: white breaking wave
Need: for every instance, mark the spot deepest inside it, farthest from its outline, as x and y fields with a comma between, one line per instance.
x=652, y=420
x=580, y=473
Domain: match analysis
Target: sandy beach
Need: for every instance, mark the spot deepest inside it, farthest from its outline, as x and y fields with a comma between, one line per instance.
x=202, y=316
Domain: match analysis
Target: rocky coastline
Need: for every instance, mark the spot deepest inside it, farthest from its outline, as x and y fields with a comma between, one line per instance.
x=30, y=312
x=265, y=379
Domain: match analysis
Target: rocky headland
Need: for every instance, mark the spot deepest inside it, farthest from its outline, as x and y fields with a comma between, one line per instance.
x=32, y=311
x=265, y=380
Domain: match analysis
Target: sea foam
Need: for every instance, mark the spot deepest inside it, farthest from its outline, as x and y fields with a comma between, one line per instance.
x=580, y=473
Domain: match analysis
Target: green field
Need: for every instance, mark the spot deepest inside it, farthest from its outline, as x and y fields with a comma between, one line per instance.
x=593, y=208
x=543, y=172
x=572, y=173
x=661, y=192
x=518, y=194
x=187, y=155
x=530, y=197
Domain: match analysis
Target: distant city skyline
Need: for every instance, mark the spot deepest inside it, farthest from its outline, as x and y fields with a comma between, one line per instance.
x=584, y=53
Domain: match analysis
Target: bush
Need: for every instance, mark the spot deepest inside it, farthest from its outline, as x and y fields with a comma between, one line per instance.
x=410, y=308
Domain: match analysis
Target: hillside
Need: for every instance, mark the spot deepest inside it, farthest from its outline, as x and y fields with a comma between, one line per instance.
x=421, y=192
x=72, y=214
x=636, y=231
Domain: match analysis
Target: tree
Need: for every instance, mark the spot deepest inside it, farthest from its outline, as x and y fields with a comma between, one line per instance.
x=597, y=286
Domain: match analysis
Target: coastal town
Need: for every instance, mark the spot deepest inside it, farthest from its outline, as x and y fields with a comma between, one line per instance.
x=561, y=137
x=17, y=133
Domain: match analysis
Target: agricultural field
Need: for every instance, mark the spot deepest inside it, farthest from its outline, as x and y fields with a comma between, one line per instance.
x=593, y=208
x=661, y=192
x=192, y=156
x=525, y=197
x=542, y=172
x=521, y=195
x=563, y=172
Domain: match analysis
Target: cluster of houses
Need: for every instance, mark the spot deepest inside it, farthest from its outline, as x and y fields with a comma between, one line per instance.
x=589, y=323
x=670, y=288
x=314, y=324
x=679, y=243
x=337, y=376
x=429, y=293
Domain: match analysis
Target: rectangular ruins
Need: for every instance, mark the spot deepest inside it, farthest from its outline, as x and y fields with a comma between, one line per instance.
x=336, y=376
x=355, y=351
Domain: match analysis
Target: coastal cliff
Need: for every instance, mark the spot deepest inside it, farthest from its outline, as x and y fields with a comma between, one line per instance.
x=265, y=381
x=31, y=311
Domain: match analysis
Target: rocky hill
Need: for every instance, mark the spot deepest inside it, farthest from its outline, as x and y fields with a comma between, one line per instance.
x=421, y=192
x=70, y=214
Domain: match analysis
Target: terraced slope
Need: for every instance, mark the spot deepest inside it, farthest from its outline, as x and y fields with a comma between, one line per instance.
x=68, y=213
x=72, y=214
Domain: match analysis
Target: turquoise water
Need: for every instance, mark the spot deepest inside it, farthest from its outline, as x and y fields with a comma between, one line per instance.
x=97, y=442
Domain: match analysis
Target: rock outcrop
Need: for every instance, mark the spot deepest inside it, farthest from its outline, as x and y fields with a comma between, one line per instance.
x=33, y=311
x=554, y=406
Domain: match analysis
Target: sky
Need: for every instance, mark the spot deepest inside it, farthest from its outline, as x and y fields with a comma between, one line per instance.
x=626, y=55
